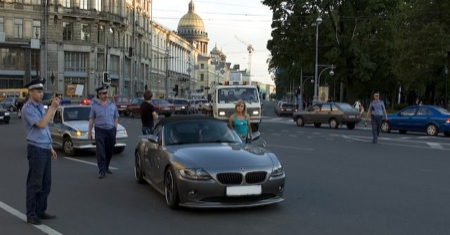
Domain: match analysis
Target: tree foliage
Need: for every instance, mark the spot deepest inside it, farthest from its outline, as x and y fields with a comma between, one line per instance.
x=376, y=45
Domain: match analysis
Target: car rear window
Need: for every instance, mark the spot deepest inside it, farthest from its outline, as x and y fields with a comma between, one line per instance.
x=288, y=105
x=121, y=99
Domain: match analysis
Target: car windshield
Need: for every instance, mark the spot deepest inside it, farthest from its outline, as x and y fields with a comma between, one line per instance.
x=121, y=99
x=180, y=102
x=345, y=107
x=232, y=94
x=159, y=101
x=77, y=113
x=201, y=101
x=442, y=110
x=199, y=131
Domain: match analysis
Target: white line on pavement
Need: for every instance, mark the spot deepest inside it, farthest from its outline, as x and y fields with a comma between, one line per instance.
x=287, y=147
x=89, y=163
x=435, y=145
x=18, y=214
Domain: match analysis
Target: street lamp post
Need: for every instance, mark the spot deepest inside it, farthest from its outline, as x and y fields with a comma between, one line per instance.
x=318, y=21
x=446, y=85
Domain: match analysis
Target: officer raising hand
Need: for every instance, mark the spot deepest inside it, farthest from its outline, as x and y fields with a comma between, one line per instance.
x=39, y=151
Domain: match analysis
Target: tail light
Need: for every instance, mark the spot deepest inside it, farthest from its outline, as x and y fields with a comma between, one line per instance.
x=282, y=109
x=295, y=110
x=447, y=121
x=85, y=102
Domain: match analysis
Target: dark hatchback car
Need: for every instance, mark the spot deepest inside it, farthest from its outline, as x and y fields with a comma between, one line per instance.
x=181, y=105
x=163, y=107
x=334, y=114
x=285, y=108
x=122, y=103
x=134, y=109
x=421, y=118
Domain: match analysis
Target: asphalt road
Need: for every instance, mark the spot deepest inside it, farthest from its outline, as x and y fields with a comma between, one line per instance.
x=338, y=182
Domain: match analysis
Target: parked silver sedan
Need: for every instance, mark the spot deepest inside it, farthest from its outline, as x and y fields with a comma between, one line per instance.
x=69, y=130
x=197, y=161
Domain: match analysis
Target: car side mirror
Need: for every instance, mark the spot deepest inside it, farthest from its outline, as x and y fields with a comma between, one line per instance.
x=153, y=139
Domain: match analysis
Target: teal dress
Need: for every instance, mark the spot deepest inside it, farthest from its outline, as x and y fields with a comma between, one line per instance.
x=240, y=126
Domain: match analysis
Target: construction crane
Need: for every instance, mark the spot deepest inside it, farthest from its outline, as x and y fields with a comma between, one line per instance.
x=250, y=49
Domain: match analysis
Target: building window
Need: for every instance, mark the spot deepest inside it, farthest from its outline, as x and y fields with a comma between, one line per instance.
x=36, y=2
x=202, y=77
x=98, y=5
x=67, y=31
x=18, y=1
x=1, y=25
x=37, y=28
x=101, y=35
x=85, y=32
x=35, y=60
x=75, y=61
x=18, y=28
x=84, y=4
x=202, y=66
x=66, y=3
x=12, y=59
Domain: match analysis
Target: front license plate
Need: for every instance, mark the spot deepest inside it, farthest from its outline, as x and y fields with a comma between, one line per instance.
x=166, y=108
x=288, y=110
x=244, y=190
x=123, y=106
x=351, y=116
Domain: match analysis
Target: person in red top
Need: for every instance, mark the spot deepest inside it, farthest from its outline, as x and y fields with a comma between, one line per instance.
x=148, y=114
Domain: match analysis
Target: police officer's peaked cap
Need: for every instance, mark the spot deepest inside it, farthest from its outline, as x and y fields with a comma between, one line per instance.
x=36, y=84
x=103, y=88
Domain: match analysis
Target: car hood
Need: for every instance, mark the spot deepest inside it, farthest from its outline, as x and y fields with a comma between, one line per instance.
x=223, y=156
x=84, y=125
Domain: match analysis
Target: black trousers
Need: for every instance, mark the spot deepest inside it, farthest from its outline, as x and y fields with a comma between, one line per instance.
x=105, y=141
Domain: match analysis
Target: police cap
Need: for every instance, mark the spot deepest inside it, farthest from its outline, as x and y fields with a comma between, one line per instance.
x=36, y=84
x=103, y=88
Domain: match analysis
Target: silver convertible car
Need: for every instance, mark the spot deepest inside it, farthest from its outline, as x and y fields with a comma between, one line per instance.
x=197, y=161
x=69, y=129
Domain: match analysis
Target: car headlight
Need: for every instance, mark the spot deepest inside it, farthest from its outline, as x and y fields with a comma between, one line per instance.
x=221, y=113
x=277, y=170
x=6, y=113
x=195, y=174
x=255, y=112
x=121, y=131
x=80, y=133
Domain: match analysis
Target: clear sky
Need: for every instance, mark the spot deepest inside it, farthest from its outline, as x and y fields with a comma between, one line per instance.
x=249, y=20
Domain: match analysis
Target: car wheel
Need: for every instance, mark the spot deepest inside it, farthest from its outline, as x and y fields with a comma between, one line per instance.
x=333, y=123
x=171, y=189
x=119, y=150
x=130, y=114
x=317, y=125
x=19, y=112
x=68, y=146
x=402, y=131
x=138, y=171
x=254, y=126
x=385, y=127
x=167, y=115
x=447, y=134
x=351, y=125
x=11, y=109
x=299, y=121
x=126, y=113
x=432, y=130
x=6, y=122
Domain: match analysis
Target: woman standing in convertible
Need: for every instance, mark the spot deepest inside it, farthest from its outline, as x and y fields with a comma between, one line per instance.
x=240, y=121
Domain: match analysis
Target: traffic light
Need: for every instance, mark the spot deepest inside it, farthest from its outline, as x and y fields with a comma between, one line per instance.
x=175, y=90
x=106, y=79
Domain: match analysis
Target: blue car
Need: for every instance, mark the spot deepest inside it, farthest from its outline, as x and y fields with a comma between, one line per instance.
x=419, y=118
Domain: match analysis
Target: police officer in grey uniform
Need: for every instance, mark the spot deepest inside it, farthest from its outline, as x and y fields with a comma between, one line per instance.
x=39, y=151
x=104, y=117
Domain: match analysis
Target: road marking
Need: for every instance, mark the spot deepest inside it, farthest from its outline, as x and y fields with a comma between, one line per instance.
x=288, y=147
x=435, y=145
x=86, y=162
x=44, y=228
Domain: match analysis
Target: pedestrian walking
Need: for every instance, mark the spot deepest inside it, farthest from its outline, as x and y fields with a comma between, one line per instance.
x=240, y=121
x=376, y=111
x=148, y=113
x=39, y=151
x=104, y=117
